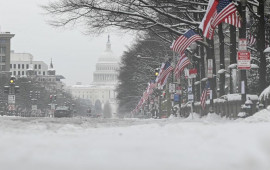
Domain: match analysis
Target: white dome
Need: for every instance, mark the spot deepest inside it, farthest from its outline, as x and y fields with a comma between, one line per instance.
x=108, y=56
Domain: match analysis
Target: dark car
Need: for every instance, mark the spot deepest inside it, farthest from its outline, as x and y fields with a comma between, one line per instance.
x=63, y=111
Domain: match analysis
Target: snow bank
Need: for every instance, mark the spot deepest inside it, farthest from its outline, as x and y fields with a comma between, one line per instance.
x=265, y=93
x=261, y=116
x=133, y=144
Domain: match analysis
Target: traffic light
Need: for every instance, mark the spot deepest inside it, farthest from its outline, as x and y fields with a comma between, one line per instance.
x=156, y=72
x=12, y=81
x=51, y=98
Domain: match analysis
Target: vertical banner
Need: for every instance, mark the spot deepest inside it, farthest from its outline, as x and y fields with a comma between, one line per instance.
x=243, y=87
x=210, y=68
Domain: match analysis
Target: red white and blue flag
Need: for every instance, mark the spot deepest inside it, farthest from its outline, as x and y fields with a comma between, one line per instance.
x=181, y=64
x=251, y=40
x=205, y=93
x=182, y=42
x=164, y=73
x=219, y=11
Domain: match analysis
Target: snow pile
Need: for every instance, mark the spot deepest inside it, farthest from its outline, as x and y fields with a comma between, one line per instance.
x=192, y=117
x=261, y=116
x=214, y=117
x=133, y=144
x=265, y=93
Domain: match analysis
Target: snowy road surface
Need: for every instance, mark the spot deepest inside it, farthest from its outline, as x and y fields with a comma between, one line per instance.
x=209, y=143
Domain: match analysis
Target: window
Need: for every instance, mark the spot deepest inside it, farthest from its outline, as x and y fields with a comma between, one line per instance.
x=3, y=59
x=3, y=41
x=10, y=65
x=19, y=73
x=23, y=73
x=22, y=66
x=39, y=66
x=43, y=73
x=14, y=66
x=35, y=66
x=3, y=50
x=27, y=66
x=19, y=66
x=14, y=73
x=2, y=67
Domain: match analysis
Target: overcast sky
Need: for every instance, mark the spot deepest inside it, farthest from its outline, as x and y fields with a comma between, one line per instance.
x=74, y=54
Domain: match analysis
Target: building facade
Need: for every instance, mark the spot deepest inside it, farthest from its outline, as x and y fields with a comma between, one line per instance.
x=21, y=62
x=5, y=51
x=24, y=65
x=104, y=81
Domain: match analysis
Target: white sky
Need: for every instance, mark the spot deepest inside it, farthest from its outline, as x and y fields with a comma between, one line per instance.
x=74, y=54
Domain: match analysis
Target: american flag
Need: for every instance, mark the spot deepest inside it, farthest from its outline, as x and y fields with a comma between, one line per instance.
x=205, y=93
x=181, y=64
x=181, y=44
x=164, y=74
x=151, y=87
x=219, y=11
x=251, y=40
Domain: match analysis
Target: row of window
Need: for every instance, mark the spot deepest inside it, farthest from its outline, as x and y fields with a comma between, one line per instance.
x=107, y=68
x=15, y=73
x=19, y=66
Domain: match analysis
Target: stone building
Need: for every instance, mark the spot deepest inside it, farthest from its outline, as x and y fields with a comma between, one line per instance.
x=102, y=89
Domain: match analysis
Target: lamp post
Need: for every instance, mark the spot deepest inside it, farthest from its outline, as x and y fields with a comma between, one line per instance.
x=242, y=34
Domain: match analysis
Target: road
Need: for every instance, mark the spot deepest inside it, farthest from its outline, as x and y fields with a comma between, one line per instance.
x=80, y=143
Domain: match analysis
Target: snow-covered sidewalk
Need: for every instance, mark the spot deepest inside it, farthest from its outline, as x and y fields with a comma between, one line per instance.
x=209, y=143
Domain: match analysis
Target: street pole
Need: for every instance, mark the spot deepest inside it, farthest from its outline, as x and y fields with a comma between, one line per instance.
x=242, y=35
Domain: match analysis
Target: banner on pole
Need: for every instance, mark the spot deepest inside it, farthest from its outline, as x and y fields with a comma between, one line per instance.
x=210, y=68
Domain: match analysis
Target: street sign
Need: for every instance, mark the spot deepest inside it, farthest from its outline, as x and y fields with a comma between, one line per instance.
x=190, y=94
x=172, y=96
x=189, y=89
x=243, y=60
x=11, y=107
x=172, y=88
x=242, y=44
x=192, y=73
x=53, y=107
x=210, y=68
x=176, y=98
x=11, y=99
x=190, y=97
x=186, y=73
x=34, y=107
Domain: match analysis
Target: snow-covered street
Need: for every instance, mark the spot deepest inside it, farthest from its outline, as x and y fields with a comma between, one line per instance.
x=209, y=143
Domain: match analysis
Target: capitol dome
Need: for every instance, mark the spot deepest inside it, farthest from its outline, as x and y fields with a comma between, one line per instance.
x=108, y=56
x=107, y=67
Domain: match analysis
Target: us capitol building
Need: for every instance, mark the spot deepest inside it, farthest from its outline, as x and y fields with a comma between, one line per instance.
x=102, y=89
